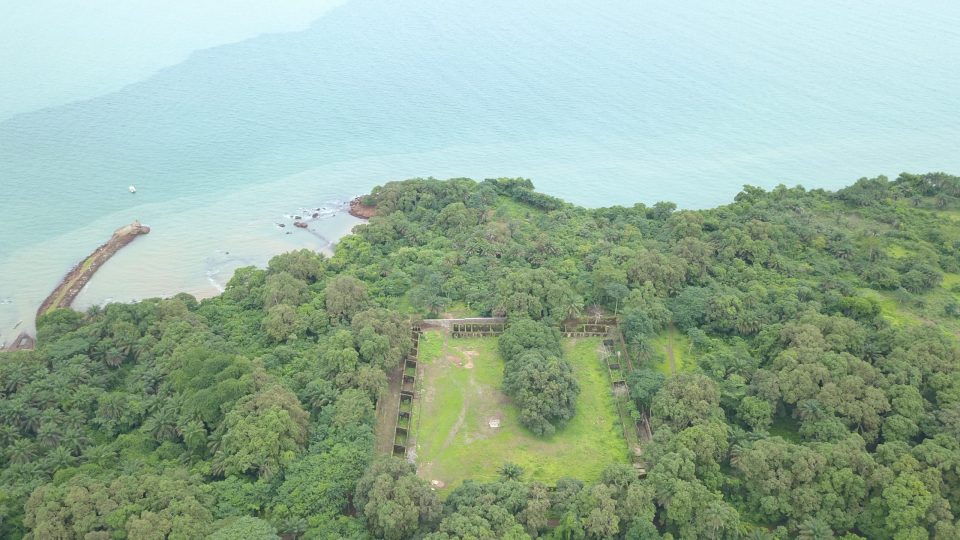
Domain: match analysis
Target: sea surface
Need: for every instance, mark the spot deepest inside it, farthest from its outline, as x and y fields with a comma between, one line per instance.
x=230, y=123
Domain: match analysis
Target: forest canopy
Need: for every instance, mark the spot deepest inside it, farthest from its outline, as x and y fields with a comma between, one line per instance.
x=824, y=398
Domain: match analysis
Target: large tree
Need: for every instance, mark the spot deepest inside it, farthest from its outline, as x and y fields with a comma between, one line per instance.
x=262, y=434
x=394, y=501
x=544, y=390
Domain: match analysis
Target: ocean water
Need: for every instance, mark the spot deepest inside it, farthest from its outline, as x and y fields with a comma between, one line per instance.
x=54, y=52
x=600, y=103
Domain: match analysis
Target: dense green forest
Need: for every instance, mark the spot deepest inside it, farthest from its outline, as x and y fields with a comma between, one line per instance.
x=824, y=399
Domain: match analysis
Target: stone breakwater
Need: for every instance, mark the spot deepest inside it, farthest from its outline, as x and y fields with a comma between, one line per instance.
x=71, y=285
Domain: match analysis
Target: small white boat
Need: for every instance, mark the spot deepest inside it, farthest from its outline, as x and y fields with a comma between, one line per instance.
x=132, y=189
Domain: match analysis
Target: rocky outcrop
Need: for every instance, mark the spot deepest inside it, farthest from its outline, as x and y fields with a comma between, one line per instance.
x=360, y=210
x=71, y=285
x=22, y=342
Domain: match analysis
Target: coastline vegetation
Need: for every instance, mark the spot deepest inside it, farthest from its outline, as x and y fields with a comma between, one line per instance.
x=819, y=395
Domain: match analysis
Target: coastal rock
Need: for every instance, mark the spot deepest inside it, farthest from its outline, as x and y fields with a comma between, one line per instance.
x=360, y=210
x=22, y=342
x=300, y=224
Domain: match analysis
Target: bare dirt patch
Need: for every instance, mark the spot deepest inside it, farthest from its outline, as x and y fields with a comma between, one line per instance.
x=454, y=359
x=452, y=434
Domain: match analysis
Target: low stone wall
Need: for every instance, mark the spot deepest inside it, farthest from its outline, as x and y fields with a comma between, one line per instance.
x=469, y=327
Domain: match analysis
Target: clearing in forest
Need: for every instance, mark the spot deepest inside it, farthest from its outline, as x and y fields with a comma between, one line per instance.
x=671, y=350
x=467, y=428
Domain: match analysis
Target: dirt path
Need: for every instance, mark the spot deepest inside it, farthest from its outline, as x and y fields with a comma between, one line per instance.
x=673, y=361
x=387, y=412
x=461, y=418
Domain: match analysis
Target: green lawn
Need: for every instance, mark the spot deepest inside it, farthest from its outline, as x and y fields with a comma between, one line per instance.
x=672, y=340
x=950, y=280
x=897, y=251
x=461, y=393
x=460, y=310
x=890, y=309
x=953, y=215
x=430, y=346
x=514, y=208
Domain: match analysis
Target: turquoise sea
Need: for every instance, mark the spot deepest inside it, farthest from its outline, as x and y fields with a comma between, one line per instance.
x=231, y=122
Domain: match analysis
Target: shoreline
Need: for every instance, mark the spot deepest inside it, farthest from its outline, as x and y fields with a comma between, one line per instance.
x=360, y=210
x=70, y=286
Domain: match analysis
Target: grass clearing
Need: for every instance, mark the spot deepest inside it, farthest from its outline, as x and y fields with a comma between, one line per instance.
x=514, y=208
x=460, y=310
x=890, y=309
x=898, y=252
x=461, y=394
x=672, y=352
x=953, y=215
x=950, y=281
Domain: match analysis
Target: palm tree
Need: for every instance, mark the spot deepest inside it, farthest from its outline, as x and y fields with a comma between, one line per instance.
x=111, y=406
x=736, y=453
x=74, y=417
x=9, y=413
x=113, y=357
x=814, y=529
x=59, y=458
x=74, y=440
x=93, y=312
x=748, y=323
x=100, y=455
x=15, y=377
x=75, y=374
x=292, y=526
x=810, y=409
x=511, y=471
x=715, y=516
x=28, y=418
x=194, y=434
x=48, y=434
x=21, y=451
x=162, y=426
x=8, y=434
x=318, y=394
x=569, y=303
x=642, y=349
